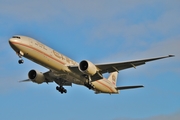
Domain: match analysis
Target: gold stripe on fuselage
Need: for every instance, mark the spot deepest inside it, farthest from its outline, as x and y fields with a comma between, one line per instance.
x=49, y=58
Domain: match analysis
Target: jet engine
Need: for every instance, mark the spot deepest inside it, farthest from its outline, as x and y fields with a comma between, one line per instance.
x=36, y=76
x=87, y=67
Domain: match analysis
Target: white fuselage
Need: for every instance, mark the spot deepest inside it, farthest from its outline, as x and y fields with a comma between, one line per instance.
x=56, y=62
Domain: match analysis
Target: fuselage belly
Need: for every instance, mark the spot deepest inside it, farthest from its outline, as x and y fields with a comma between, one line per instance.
x=49, y=58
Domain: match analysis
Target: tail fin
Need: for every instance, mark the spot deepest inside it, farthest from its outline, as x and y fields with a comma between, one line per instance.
x=113, y=78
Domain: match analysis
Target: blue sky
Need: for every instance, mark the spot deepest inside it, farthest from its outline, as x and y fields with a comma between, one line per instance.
x=99, y=31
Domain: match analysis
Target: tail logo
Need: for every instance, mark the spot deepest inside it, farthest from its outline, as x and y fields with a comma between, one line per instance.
x=113, y=79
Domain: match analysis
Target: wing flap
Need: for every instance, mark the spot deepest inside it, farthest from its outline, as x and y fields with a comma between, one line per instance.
x=117, y=66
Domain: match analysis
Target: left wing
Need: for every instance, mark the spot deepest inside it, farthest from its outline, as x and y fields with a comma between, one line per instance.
x=129, y=87
x=104, y=68
x=112, y=67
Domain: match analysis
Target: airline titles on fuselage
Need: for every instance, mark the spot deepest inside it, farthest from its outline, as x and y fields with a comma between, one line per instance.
x=56, y=54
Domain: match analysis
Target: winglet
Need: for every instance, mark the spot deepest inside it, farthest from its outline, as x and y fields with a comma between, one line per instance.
x=171, y=55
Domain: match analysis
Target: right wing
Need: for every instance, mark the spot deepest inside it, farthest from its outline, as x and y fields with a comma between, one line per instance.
x=51, y=76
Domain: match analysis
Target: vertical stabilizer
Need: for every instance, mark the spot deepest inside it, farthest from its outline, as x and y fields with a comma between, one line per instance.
x=113, y=78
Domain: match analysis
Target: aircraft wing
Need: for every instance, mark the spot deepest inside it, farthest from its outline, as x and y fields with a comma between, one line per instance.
x=51, y=76
x=111, y=67
x=129, y=87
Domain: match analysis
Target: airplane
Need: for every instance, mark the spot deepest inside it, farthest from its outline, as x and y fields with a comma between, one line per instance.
x=65, y=71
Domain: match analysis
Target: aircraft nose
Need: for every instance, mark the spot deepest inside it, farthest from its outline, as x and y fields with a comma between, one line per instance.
x=14, y=39
x=11, y=40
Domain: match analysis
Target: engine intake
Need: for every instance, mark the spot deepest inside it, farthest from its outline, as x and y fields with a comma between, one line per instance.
x=36, y=76
x=87, y=67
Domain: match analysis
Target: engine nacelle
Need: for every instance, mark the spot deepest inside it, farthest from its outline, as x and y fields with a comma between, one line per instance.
x=87, y=67
x=36, y=76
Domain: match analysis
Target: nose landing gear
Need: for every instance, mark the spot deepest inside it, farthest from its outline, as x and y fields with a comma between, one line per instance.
x=21, y=61
x=20, y=54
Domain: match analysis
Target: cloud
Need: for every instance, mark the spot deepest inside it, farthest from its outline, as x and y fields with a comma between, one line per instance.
x=29, y=10
x=166, y=23
x=159, y=48
x=152, y=37
x=122, y=20
x=169, y=22
x=173, y=116
x=79, y=10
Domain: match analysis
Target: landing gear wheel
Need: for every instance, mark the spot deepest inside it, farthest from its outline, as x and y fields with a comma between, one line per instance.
x=20, y=54
x=21, y=61
x=57, y=88
x=61, y=89
x=89, y=85
x=65, y=91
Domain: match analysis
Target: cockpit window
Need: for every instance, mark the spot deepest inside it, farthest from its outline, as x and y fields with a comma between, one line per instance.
x=16, y=37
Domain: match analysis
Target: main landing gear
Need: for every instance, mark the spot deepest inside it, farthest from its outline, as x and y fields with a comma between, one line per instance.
x=61, y=89
x=89, y=84
x=20, y=54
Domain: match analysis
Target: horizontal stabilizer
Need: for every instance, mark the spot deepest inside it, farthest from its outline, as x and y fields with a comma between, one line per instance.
x=27, y=80
x=129, y=87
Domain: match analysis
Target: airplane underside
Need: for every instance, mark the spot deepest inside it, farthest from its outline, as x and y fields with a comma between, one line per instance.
x=65, y=71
